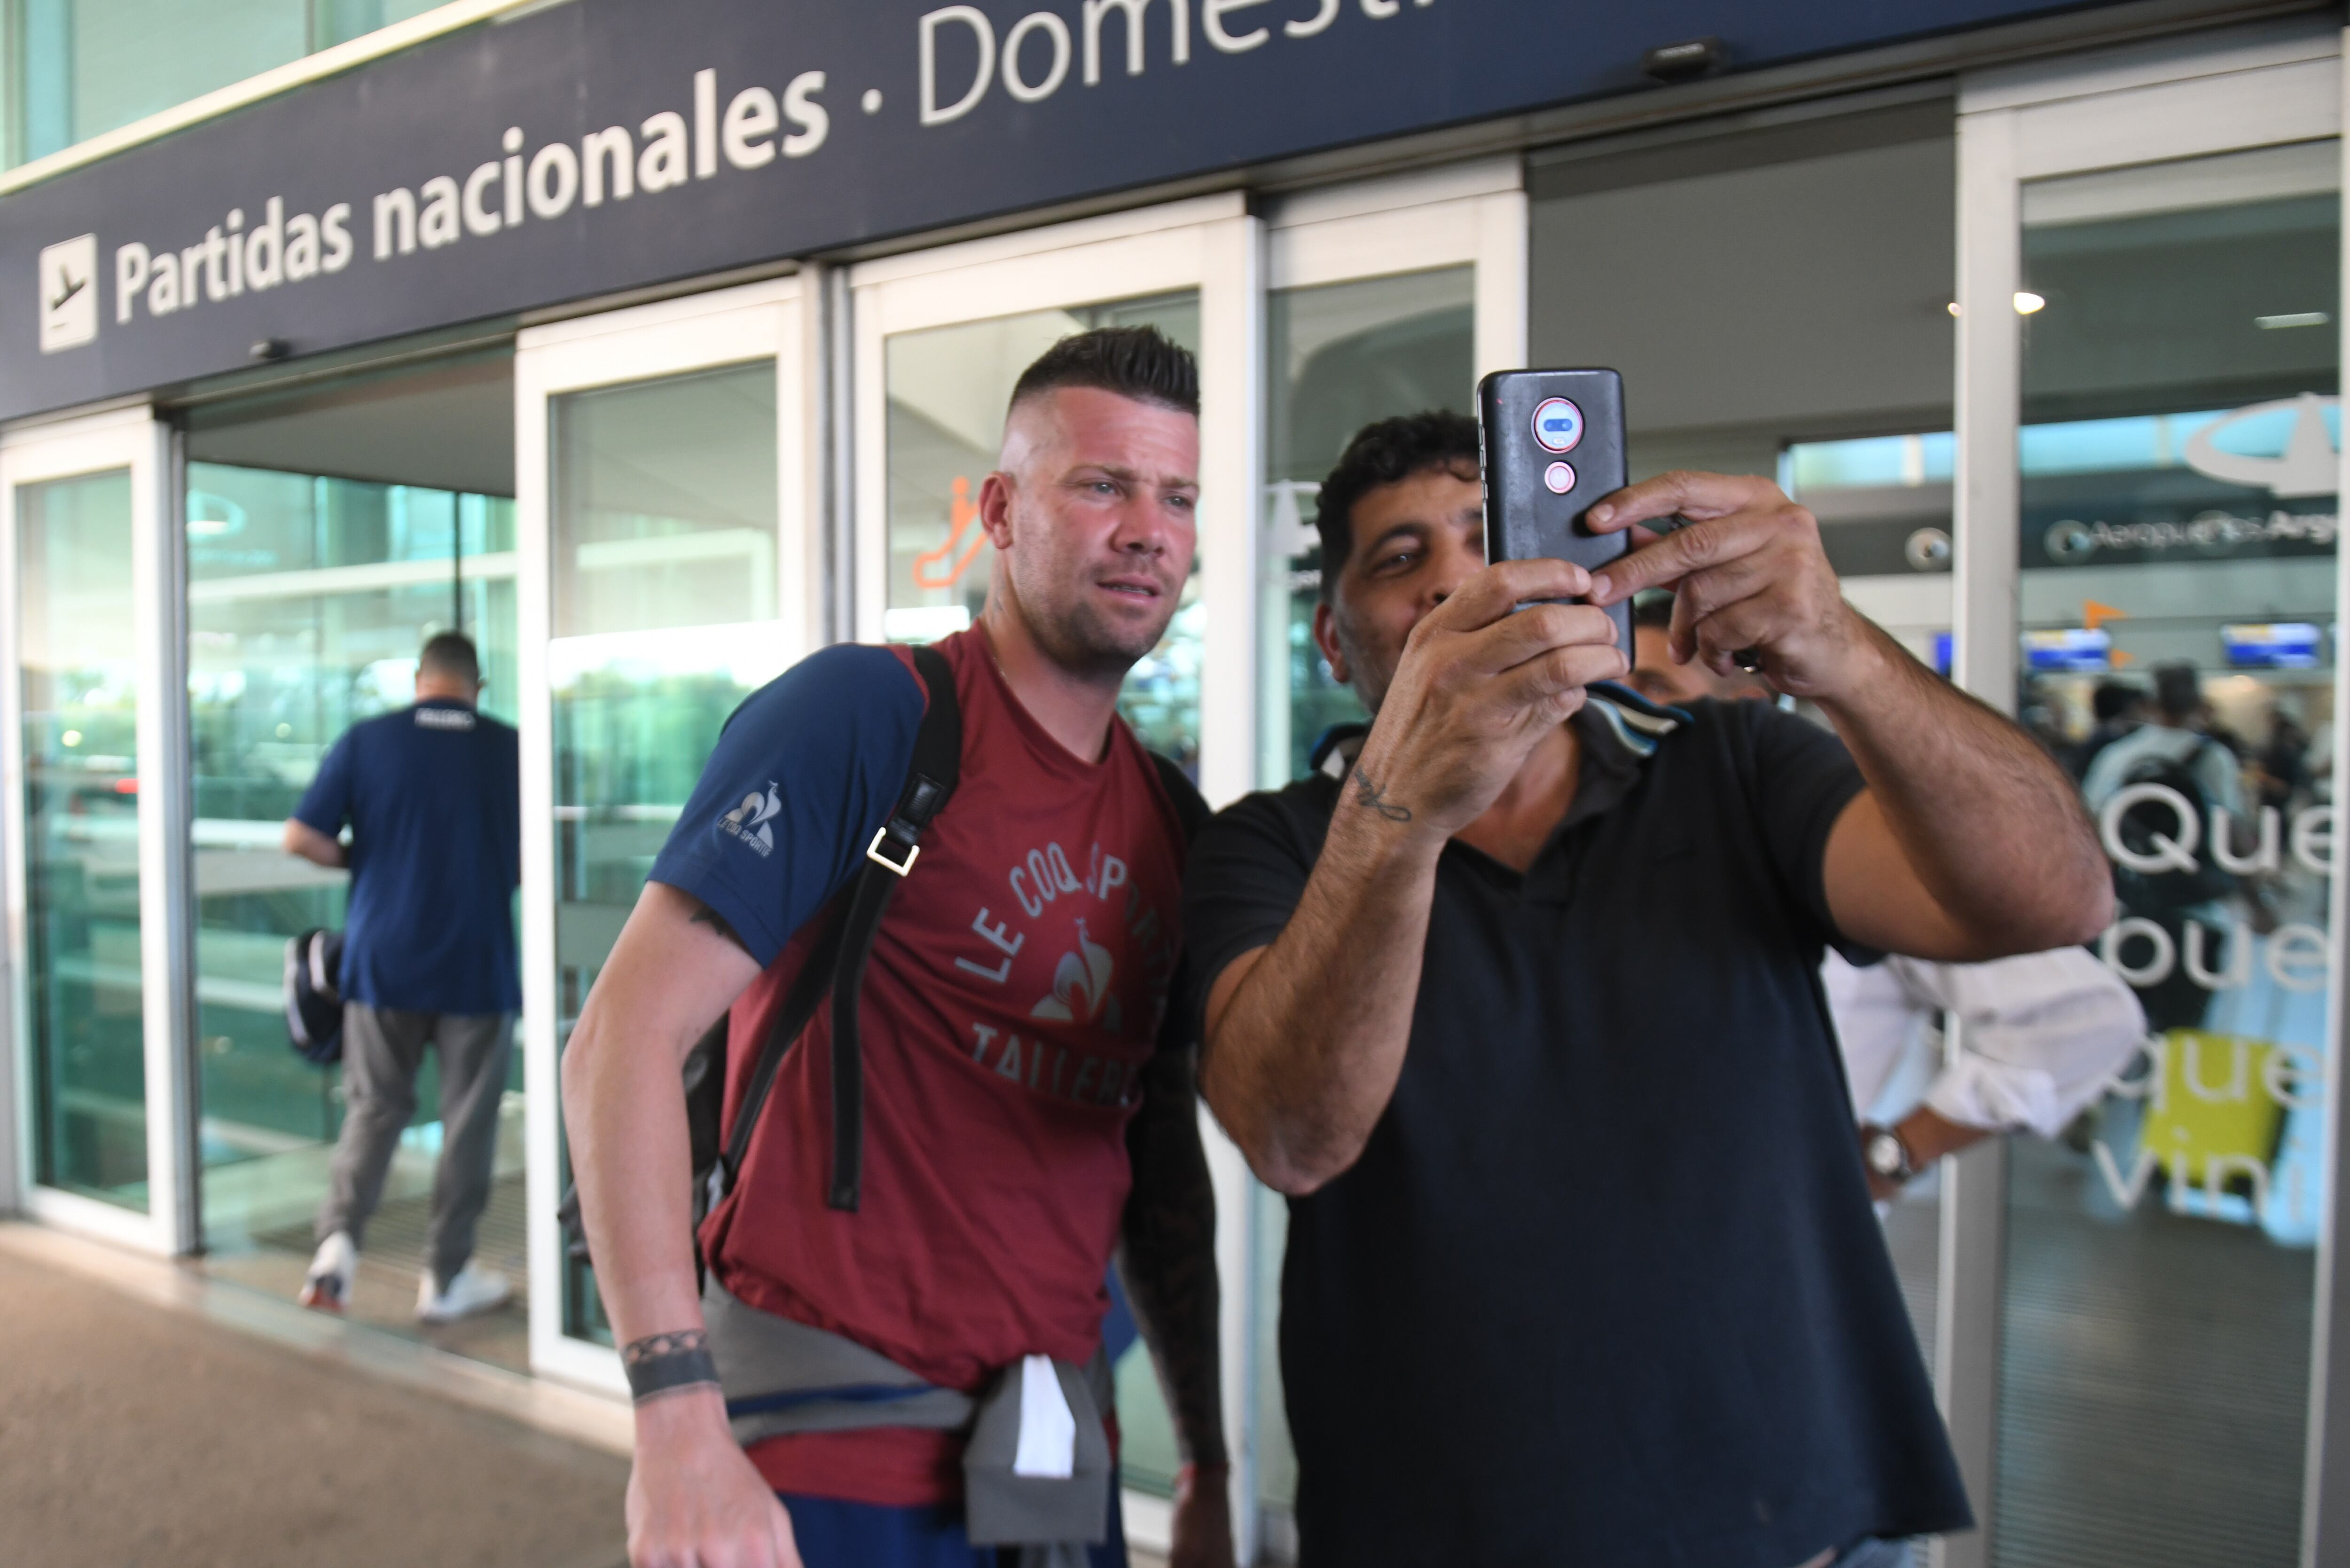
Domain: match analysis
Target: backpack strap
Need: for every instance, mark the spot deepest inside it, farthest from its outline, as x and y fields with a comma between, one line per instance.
x=839, y=955
x=930, y=779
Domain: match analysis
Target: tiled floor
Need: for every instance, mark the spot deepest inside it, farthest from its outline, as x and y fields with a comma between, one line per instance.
x=138, y=1427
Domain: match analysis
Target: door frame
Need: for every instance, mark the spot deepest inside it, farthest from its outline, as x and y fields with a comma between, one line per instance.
x=2171, y=99
x=127, y=438
x=760, y=321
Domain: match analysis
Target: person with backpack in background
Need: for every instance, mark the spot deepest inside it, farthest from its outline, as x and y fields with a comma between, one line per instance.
x=2118, y=708
x=2173, y=750
x=907, y=1266
x=431, y=794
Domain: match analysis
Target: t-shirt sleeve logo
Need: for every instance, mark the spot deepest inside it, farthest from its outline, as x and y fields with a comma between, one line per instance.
x=749, y=821
x=1081, y=983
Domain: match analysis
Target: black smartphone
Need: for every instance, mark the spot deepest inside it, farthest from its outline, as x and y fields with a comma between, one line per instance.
x=1550, y=443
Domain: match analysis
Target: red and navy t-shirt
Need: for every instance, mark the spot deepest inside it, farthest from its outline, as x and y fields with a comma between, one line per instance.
x=1014, y=992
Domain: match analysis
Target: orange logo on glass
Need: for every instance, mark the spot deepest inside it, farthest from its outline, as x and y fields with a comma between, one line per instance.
x=944, y=566
x=1558, y=424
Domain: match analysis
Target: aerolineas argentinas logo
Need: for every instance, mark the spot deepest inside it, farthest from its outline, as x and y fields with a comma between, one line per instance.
x=748, y=821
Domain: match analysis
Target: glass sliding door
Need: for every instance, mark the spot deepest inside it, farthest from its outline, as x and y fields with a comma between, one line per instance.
x=667, y=580
x=2178, y=507
x=79, y=690
x=2146, y=471
x=308, y=599
x=941, y=336
x=96, y=832
x=663, y=527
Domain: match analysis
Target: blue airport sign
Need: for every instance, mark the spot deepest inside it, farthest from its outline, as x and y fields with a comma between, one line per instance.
x=609, y=144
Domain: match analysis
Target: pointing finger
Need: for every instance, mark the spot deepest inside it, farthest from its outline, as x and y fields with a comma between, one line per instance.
x=1674, y=556
x=1695, y=495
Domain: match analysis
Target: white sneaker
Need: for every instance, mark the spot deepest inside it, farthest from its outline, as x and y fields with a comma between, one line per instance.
x=328, y=1285
x=473, y=1290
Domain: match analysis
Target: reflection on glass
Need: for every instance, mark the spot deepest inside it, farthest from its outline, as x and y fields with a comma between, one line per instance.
x=1340, y=355
x=663, y=532
x=2178, y=589
x=308, y=600
x=80, y=694
x=81, y=67
x=947, y=388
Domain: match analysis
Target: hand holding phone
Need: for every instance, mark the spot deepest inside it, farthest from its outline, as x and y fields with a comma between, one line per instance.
x=1551, y=443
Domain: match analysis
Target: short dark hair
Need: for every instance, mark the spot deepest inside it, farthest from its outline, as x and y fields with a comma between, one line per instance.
x=2178, y=691
x=1386, y=451
x=449, y=653
x=1138, y=362
x=2113, y=700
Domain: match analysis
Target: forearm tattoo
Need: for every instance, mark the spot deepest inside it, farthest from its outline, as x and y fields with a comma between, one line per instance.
x=1170, y=1254
x=706, y=915
x=1369, y=794
x=662, y=1364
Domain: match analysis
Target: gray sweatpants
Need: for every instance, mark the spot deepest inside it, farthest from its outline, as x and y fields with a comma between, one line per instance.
x=382, y=1050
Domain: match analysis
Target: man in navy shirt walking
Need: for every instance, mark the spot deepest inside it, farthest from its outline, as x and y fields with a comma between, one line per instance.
x=431, y=794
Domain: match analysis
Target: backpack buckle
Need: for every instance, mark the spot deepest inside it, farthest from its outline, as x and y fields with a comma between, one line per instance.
x=873, y=852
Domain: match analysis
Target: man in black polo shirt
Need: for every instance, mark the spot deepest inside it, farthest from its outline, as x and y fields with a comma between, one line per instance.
x=1516, y=999
x=431, y=795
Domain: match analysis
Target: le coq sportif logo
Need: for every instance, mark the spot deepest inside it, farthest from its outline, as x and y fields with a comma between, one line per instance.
x=750, y=820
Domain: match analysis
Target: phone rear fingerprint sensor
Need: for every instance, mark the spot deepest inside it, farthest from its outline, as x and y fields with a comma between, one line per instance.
x=1559, y=477
x=1558, y=424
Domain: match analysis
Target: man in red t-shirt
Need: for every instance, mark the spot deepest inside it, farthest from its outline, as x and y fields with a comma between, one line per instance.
x=1020, y=1120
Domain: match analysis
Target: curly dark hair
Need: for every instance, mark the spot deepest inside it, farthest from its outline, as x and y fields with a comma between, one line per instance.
x=1138, y=362
x=1387, y=452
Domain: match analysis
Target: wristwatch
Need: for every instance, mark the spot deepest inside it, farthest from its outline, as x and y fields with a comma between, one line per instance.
x=1886, y=1155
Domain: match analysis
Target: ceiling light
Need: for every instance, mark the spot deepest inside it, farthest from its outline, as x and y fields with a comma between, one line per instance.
x=2027, y=303
x=1954, y=307
x=2292, y=319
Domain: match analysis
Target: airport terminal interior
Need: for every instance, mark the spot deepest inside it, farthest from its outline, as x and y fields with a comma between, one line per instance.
x=616, y=551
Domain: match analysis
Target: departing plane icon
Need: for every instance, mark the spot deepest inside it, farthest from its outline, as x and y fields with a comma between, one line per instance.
x=66, y=284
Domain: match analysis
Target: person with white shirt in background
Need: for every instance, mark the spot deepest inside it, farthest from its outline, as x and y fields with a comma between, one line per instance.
x=2042, y=1034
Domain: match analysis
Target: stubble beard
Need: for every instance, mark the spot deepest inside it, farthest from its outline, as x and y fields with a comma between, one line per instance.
x=1086, y=642
x=1371, y=673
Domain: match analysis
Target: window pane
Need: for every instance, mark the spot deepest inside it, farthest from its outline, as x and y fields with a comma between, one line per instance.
x=947, y=388
x=78, y=68
x=663, y=523
x=1340, y=355
x=2178, y=544
x=75, y=634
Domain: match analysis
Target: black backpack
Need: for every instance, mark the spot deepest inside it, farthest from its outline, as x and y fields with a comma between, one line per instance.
x=2171, y=891
x=836, y=963
x=314, y=1002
